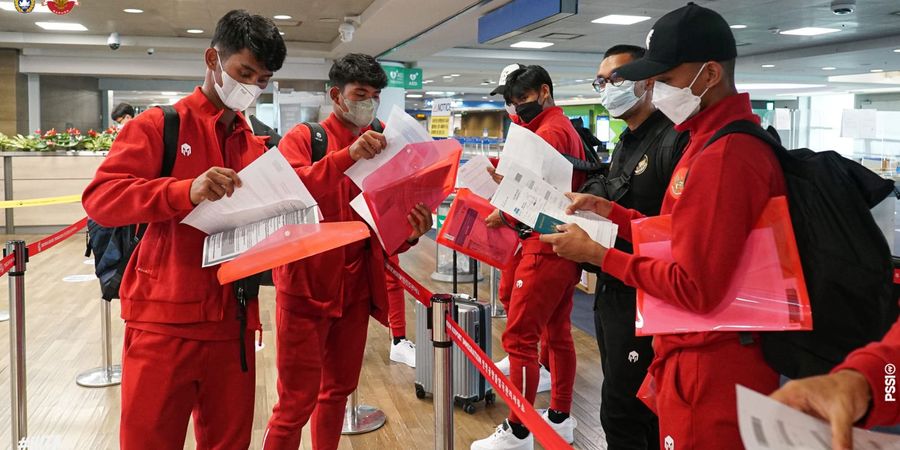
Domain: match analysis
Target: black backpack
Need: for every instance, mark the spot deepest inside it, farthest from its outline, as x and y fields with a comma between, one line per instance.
x=846, y=260
x=112, y=247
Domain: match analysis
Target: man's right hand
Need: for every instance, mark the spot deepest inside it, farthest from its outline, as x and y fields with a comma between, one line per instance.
x=368, y=145
x=215, y=183
x=494, y=220
x=588, y=202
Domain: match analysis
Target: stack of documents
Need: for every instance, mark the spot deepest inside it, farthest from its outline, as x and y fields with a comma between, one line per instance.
x=525, y=196
x=413, y=169
x=271, y=196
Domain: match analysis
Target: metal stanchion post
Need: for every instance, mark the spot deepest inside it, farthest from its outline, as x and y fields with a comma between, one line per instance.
x=496, y=308
x=107, y=374
x=359, y=419
x=441, y=307
x=18, y=393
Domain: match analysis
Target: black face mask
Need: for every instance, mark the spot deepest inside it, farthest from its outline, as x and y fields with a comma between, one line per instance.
x=528, y=111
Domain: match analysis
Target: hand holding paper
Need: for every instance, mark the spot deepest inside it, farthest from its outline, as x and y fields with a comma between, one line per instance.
x=474, y=175
x=401, y=130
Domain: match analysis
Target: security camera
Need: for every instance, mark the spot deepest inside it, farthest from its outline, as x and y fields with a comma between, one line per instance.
x=113, y=41
x=346, y=29
x=151, y=51
x=843, y=7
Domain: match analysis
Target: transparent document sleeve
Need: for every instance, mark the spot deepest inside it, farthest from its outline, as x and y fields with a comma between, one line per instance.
x=227, y=245
x=465, y=231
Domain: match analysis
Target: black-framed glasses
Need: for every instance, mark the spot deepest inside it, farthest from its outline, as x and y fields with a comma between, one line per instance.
x=600, y=83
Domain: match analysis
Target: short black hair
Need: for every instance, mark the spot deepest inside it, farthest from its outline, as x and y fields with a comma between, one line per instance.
x=239, y=29
x=121, y=110
x=525, y=80
x=357, y=68
x=635, y=51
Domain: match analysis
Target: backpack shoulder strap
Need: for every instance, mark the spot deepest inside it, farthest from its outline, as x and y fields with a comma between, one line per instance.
x=318, y=140
x=642, y=149
x=171, y=128
x=747, y=127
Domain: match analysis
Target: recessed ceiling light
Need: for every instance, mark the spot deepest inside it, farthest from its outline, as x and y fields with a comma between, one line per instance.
x=434, y=93
x=810, y=31
x=768, y=66
x=876, y=70
x=168, y=93
x=447, y=77
x=282, y=17
x=195, y=31
x=38, y=7
x=897, y=50
x=454, y=74
x=531, y=44
x=413, y=95
x=738, y=27
x=619, y=19
x=829, y=68
x=281, y=33
x=61, y=26
x=484, y=98
x=428, y=81
x=133, y=10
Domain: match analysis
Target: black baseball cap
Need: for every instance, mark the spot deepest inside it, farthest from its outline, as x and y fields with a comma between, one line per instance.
x=691, y=33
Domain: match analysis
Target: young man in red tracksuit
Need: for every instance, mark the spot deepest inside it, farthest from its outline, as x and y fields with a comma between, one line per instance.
x=540, y=302
x=862, y=390
x=182, y=337
x=715, y=197
x=402, y=350
x=324, y=302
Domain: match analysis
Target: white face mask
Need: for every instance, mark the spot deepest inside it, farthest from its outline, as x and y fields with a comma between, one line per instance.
x=619, y=99
x=235, y=95
x=678, y=104
x=510, y=109
x=361, y=112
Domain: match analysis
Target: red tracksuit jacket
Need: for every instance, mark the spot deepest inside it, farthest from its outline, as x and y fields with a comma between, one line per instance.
x=164, y=289
x=715, y=197
x=878, y=362
x=553, y=126
x=316, y=286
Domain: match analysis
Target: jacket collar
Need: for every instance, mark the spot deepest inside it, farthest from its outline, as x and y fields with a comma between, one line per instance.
x=537, y=121
x=711, y=119
x=205, y=110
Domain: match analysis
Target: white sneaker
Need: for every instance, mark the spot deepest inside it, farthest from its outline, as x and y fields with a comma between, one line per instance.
x=503, y=365
x=545, y=383
x=404, y=352
x=566, y=429
x=504, y=439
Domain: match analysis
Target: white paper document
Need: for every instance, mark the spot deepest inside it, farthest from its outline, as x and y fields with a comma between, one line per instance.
x=270, y=187
x=599, y=228
x=400, y=130
x=526, y=149
x=229, y=244
x=474, y=176
x=767, y=424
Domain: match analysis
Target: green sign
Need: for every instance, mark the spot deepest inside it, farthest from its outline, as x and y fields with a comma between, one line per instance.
x=401, y=77
x=413, y=79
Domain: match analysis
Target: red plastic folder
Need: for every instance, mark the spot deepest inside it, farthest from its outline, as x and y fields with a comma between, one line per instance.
x=292, y=243
x=464, y=230
x=424, y=172
x=767, y=291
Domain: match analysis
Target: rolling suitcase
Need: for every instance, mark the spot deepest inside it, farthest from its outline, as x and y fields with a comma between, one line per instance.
x=469, y=386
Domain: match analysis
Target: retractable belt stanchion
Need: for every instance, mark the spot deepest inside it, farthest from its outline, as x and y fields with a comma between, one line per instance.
x=359, y=419
x=441, y=308
x=107, y=374
x=18, y=393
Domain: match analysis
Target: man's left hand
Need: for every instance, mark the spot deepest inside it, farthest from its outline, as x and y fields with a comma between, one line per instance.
x=574, y=244
x=420, y=219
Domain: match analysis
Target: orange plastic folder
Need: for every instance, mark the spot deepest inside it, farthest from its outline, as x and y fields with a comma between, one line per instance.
x=464, y=230
x=292, y=243
x=423, y=172
x=767, y=291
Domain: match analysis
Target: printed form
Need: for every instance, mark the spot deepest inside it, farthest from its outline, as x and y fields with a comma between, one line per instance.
x=400, y=130
x=473, y=175
x=768, y=424
x=525, y=196
x=528, y=150
x=271, y=195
